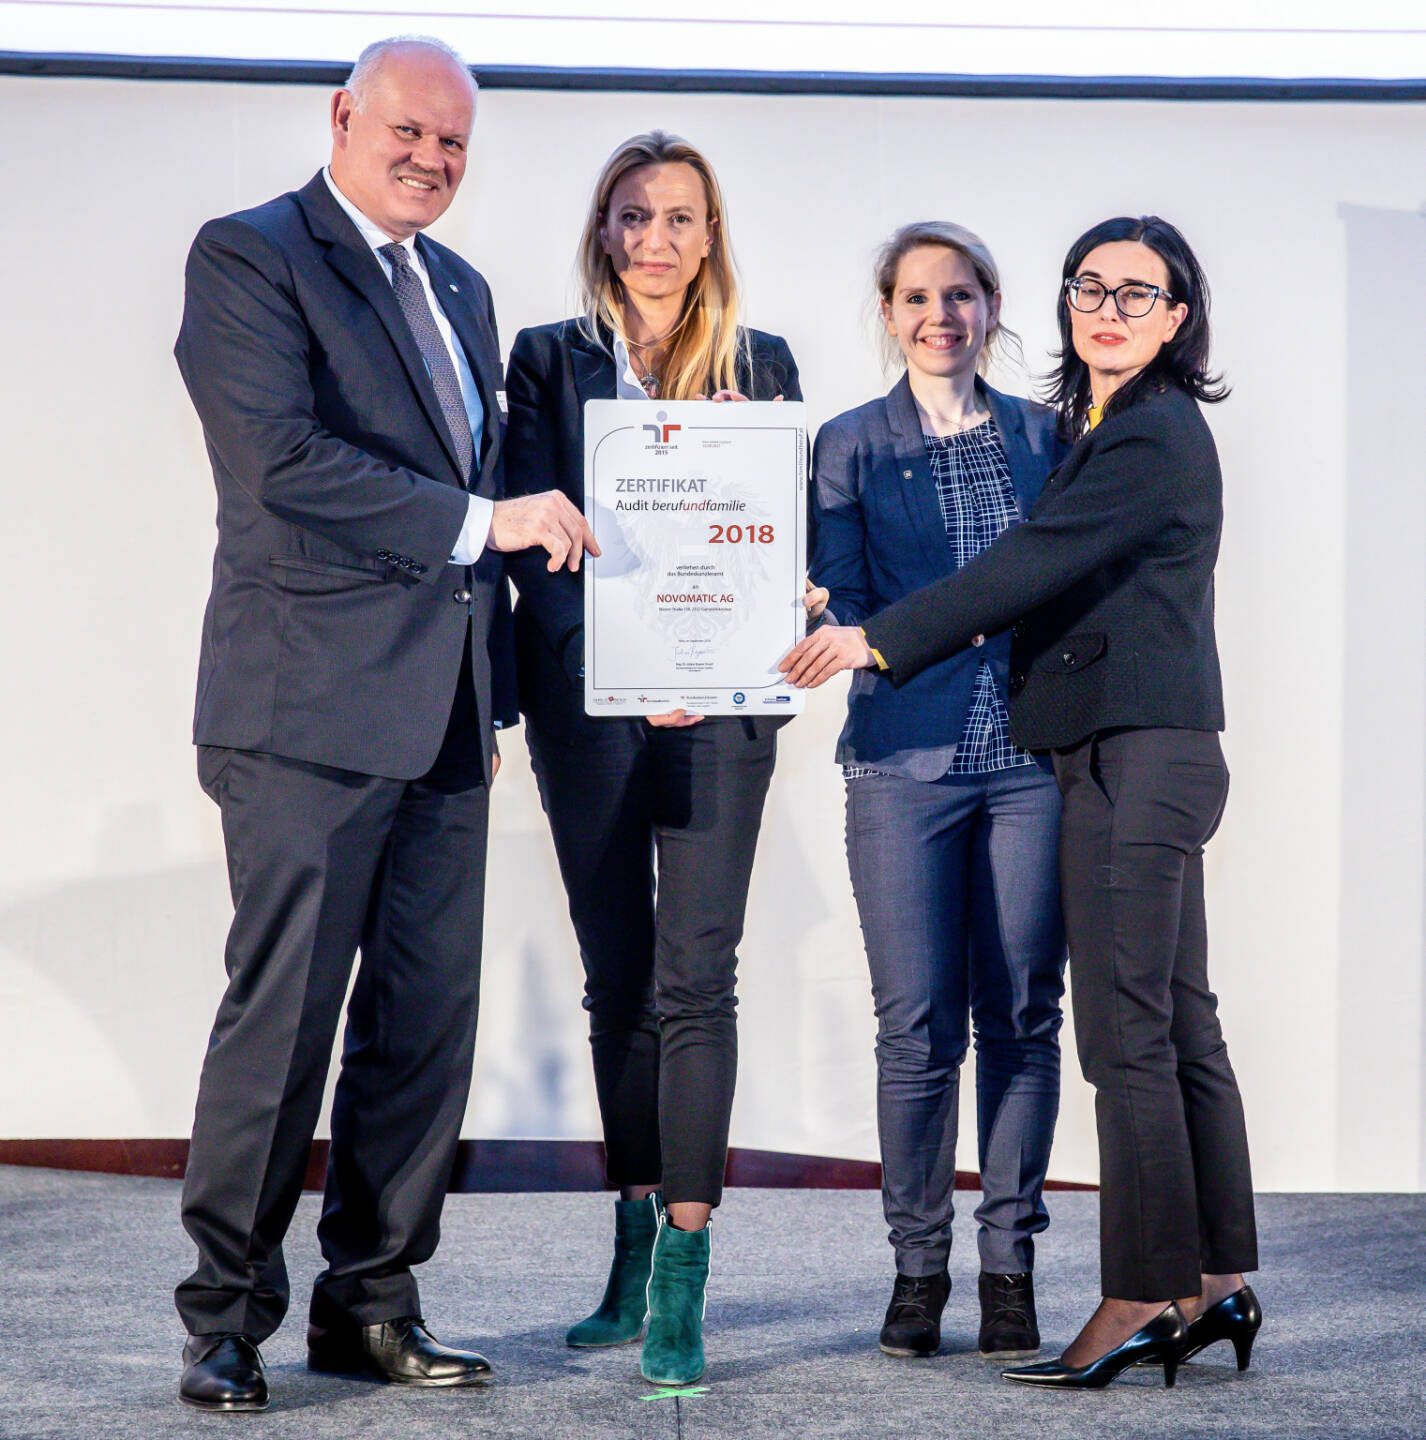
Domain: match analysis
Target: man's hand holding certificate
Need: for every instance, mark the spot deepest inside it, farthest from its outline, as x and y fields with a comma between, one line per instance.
x=699, y=511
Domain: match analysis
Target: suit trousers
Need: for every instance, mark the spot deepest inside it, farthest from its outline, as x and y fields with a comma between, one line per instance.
x=321, y=862
x=957, y=888
x=655, y=830
x=1176, y=1191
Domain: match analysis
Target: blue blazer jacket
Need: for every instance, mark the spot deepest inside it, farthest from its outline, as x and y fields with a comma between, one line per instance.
x=880, y=535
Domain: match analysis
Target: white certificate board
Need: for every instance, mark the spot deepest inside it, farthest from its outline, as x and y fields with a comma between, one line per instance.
x=700, y=510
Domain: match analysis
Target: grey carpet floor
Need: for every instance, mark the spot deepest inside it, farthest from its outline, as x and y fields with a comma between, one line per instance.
x=89, y=1340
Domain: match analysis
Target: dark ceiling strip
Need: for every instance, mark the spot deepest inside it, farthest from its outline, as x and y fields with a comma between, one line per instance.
x=733, y=82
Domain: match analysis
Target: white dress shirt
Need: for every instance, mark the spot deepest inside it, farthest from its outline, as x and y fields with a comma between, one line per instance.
x=626, y=383
x=476, y=529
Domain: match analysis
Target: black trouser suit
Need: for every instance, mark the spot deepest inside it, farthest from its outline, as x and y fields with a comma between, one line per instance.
x=1176, y=1194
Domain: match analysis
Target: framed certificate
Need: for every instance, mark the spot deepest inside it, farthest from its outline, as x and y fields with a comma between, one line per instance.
x=700, y=511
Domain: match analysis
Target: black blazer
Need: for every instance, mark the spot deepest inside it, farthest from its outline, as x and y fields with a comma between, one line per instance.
x=881, y=535
x=1113, y=576
x=553, y=370
x=335, y=629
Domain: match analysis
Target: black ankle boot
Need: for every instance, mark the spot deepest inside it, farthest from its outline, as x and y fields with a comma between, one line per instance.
x=1008, y=1327
x=913, y=1319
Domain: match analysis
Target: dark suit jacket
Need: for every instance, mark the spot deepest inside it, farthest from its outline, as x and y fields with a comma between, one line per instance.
x=553, y=370
x=334, y=632
x=880, y=535
x=1113, y=574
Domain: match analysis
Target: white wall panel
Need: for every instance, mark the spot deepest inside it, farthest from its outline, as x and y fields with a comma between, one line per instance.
x=112, y=900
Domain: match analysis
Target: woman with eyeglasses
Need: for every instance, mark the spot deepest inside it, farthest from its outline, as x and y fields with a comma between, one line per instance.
x=951, y=827
x=1115, y=673
x=655, y=819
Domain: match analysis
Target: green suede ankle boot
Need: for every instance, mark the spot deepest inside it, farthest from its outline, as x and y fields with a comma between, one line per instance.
x=620, y=1316
x=673, y=1349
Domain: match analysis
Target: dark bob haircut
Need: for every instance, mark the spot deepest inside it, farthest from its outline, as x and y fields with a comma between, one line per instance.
x=1183, y=361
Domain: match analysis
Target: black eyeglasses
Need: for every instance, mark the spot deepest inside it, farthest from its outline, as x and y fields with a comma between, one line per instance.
x=1132, y=300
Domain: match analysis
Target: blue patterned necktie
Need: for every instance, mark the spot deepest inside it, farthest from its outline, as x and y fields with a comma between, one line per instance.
x=412, y=298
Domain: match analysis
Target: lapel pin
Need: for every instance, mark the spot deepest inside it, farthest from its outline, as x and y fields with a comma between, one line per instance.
x=455, y=287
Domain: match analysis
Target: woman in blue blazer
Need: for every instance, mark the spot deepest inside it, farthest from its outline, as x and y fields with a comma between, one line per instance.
x=951, y=828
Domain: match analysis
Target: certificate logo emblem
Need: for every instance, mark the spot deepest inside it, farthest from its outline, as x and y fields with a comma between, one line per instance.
x=739, y=698
x=661, y=431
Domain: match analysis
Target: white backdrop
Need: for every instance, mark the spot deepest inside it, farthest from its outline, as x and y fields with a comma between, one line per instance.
x=1307, y=218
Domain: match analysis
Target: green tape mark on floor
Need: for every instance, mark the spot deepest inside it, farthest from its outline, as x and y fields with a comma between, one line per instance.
x=673, y=1392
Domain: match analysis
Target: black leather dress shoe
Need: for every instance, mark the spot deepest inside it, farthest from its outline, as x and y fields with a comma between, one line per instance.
x=913, y=1319
x=1157, y=1343
x=222, y=1372
x=400, y=1351
x=1008, y=1327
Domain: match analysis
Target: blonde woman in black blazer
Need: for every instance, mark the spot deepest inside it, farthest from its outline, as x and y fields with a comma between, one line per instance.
x=659, y=946
x=1114, y=671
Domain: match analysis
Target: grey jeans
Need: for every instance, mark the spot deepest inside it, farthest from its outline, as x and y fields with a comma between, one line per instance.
x=957, y=889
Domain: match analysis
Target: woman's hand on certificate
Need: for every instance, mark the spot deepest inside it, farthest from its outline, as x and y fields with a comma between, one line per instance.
x=814, y=598
x=828, y=651
x=673, y=720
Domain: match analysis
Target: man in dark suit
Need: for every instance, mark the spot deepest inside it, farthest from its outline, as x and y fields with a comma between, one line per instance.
x=347, y=374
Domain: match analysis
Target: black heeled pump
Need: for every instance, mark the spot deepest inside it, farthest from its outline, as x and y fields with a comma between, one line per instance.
x=1237, y=1317
x=1157, y=1343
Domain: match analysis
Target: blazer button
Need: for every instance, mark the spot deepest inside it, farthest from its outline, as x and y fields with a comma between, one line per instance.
x=461, y=597
x=905, y=474
x=1017, y=682
x=1018, y=628
x=977, y=639
x=1070, y=658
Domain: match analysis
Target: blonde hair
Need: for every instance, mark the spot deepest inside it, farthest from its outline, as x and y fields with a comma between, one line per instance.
x=707, y=340
x=948, y=236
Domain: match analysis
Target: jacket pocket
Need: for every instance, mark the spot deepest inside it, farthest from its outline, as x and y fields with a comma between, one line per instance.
x=303, y=575
x=1073, y=653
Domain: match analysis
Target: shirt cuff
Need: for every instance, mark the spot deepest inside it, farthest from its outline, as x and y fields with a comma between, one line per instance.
x=474, y=532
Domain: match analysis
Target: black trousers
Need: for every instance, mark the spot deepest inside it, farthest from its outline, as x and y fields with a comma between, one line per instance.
x=322, y=862
x=659, y=946
x=1176, y=1191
